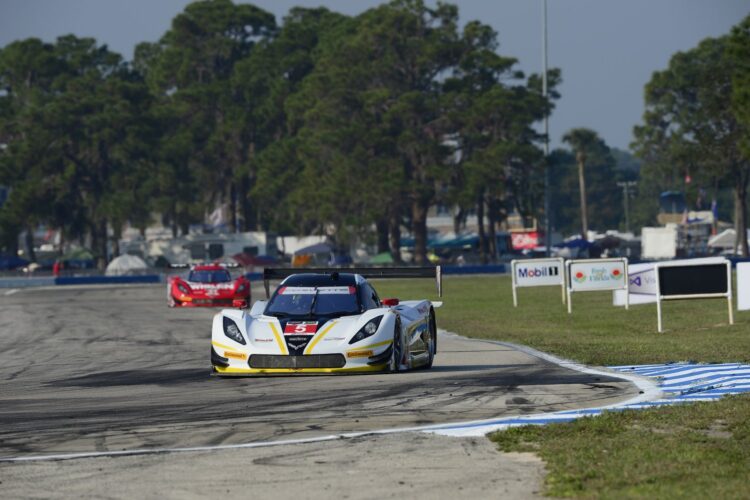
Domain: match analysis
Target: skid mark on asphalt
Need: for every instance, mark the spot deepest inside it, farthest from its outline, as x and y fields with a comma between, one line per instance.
x=679, y=383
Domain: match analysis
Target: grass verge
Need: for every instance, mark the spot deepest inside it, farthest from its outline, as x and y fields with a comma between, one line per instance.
x=685, y=451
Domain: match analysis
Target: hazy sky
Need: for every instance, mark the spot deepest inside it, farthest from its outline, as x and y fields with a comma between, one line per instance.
x=607, y=49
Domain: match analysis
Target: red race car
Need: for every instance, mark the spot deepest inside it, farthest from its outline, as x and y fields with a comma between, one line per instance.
x=208, y=285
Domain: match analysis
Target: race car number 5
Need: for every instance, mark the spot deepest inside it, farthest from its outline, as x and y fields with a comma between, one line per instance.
x=300, y=328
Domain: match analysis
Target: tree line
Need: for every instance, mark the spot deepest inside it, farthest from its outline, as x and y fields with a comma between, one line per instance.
x=695, y=135
x=326, y=123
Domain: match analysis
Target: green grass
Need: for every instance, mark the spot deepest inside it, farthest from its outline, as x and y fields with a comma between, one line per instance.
x=685, y=451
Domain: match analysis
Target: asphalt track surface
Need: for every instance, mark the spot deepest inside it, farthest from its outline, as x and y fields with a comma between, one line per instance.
x=103, y=369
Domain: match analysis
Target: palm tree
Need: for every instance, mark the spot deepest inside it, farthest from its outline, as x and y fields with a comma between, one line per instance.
x=582, y=141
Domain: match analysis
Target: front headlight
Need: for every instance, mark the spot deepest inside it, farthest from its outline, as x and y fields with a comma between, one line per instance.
x=242, y=287
x=183, y=288
x=232, y=331
x=367, y=331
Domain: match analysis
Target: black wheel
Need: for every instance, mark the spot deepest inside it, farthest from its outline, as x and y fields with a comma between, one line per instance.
x=432, y=346
x=397, y=352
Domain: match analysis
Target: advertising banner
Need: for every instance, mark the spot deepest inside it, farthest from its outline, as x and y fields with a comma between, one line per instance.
x=593, y=275
x=642, y=281
x=538, y=272
x=526, y=240
x=641, y=286
x=597, y=275
x=743, y=286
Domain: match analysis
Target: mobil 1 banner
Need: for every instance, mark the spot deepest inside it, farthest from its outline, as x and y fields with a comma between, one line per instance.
x=693, y=279
x=537, y=272
x=593, y=275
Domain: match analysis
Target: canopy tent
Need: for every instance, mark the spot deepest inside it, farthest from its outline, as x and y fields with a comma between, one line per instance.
x=725, y=240
x=314, y=249
x=572, y=248
x=124, y=265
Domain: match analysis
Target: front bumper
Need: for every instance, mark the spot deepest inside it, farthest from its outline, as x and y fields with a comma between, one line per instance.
x=209, y=302
x=281, y=364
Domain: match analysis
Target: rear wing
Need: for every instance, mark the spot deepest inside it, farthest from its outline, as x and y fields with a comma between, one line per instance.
x=230, y=265
x=279, y=273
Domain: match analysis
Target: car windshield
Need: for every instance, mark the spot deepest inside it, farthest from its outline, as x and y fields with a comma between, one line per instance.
x=314, y=301
x=220, y=276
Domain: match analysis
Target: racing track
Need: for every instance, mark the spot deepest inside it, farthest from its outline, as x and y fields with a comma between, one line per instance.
x=105, y=369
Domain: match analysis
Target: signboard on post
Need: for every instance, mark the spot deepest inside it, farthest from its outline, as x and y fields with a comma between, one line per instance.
x=538, y=272
x=594, y=275
x=641, y=286
x=642, y=281
x=743, y=286
x=698, y=279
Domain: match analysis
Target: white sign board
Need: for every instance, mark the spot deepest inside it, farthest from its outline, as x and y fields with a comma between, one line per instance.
x=537, y=272
x=642, y=281
x=591, y=275
x=743, y=286
x=641, y=286
x=693, y=279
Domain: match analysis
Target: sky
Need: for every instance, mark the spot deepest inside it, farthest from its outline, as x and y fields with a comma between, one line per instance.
x=607, y=49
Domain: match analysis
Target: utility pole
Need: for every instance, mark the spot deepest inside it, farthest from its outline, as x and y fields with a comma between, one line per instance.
x=547, y=208
x=581, y=160
x=626, y=196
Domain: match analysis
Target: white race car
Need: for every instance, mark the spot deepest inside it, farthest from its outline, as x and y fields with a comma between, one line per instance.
x=327, y=321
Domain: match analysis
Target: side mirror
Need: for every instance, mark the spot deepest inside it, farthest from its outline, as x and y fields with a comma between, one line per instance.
x=258, y=308
x=389, y=302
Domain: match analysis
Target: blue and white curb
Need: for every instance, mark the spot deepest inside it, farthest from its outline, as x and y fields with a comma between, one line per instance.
x=677, y=382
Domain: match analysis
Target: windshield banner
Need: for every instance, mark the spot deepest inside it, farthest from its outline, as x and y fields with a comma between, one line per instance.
x=336, y=290
x=297, y=290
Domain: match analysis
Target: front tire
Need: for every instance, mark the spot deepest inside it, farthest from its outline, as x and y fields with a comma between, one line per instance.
x=397, y=353
x=432, y=347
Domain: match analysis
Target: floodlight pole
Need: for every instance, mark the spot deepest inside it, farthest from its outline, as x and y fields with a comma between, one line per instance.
x=547, y=209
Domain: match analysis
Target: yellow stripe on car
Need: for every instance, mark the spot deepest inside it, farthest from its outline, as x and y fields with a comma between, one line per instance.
x=279, y=340
x=379, y=344
x=216, y=344
x=319, y=336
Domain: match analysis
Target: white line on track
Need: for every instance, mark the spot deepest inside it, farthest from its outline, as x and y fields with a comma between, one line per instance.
x=11, y=291
x=649, y=392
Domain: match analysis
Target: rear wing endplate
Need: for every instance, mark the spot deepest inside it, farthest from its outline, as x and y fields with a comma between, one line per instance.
x=279, y=273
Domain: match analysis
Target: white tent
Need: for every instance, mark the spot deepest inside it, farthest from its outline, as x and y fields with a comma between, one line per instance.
x=724, y=240
x=124, y=265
